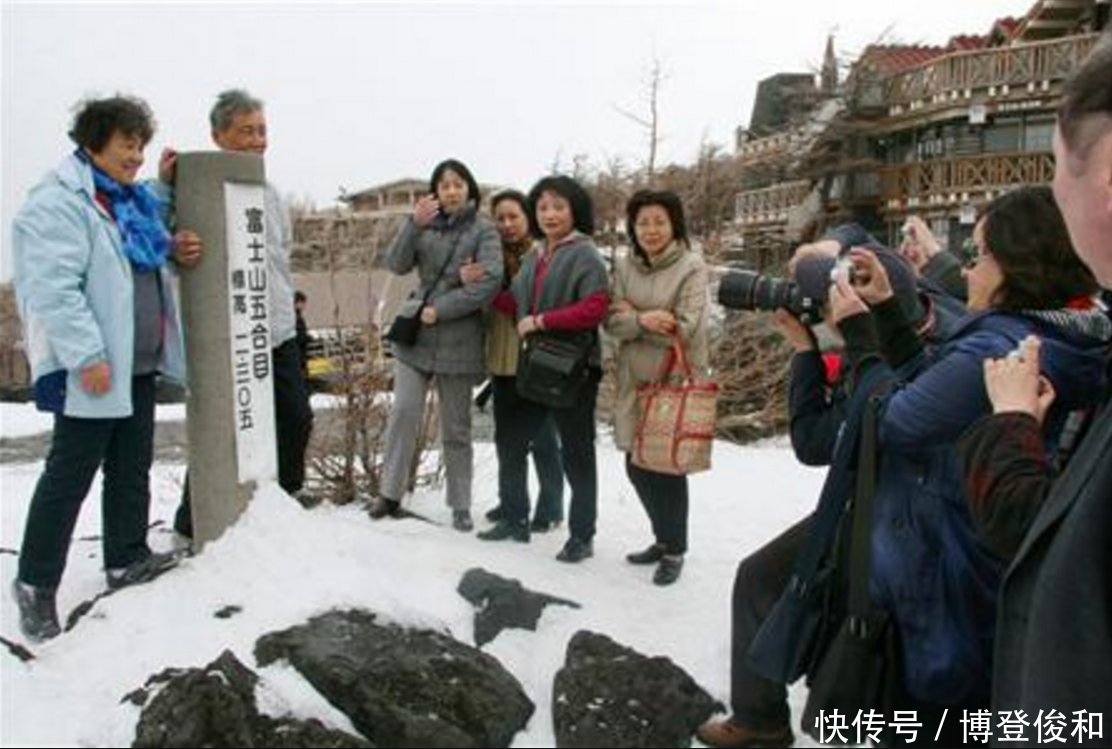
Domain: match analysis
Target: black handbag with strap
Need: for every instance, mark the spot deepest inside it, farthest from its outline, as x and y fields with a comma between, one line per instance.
x=802, y=620
x=406, y=326
x=859, y=671
x=553, y=366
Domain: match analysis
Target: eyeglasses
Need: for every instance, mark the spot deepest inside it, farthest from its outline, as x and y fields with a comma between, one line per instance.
x=971, y=253
x=975, y=259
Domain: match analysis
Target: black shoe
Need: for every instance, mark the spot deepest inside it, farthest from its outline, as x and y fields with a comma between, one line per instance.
x=307, y=499
x=495, y=514
x=576, y=551
x=183, y=521
x=543, y=525
x=726, y=734
x=651, y=555
x=38, y=613
x=142, y=571
x=668, y=571
x=505, y=529
x=461, y=521
x=383, y=507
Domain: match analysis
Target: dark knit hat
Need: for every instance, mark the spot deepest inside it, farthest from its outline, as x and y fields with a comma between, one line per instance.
x=812, y=275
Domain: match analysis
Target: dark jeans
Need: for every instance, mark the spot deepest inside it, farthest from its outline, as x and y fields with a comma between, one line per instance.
x=665, y=499
x=763, y=705
x=545, y=449
x=293, y=423
x=125, y=449
x=761, y=577
x=293, y=416
x=576, y=426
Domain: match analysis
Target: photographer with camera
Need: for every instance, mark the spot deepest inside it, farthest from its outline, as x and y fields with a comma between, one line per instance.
x=817, y=408
x=800, y=304
x=931, y=570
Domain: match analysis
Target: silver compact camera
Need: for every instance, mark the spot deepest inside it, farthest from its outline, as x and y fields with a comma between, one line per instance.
x=843, y=268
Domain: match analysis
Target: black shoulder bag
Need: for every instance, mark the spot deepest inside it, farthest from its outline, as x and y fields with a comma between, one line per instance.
x=553, y=365
x=407, y=324
x=860, y=669
x=802, y=621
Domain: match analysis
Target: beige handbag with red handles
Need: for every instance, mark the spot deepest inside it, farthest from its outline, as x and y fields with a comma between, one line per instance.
x=675, y=427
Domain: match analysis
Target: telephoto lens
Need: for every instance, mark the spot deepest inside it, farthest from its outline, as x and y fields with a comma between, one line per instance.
x=753, y=292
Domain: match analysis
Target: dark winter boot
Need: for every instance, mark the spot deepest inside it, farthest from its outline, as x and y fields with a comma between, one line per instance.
x=383, y=508
x=651, y=555
x=38, y=612
x=505, y=530
x=669, y=569
x=544, y=525
x=461, y=521
x=141, y=571
x=575, y=551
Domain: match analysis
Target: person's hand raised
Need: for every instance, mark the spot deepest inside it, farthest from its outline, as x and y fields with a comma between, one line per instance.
x=425, y=211
x=1014, y=383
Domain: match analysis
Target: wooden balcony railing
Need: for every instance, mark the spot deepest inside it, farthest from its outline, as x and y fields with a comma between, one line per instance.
x=1002, y=70
x=944, y=181
x=770, y=204
x=769, y=147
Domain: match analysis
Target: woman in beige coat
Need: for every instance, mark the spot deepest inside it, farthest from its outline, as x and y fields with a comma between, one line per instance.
x=660, y=291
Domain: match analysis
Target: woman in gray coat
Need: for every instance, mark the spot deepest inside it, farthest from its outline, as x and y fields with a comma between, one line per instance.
x=444, y=234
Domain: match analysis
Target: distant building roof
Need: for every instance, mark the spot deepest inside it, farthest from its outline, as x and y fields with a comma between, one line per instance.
x=966, y=43
x=890, y=59
x=406, y=183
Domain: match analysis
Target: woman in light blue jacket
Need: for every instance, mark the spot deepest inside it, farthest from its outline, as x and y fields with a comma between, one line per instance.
x=90, y=249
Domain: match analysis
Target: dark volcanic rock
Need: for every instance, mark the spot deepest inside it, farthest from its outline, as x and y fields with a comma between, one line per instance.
x=215, y=707
x=503, y=604
x=403, y=687
x=607, y=695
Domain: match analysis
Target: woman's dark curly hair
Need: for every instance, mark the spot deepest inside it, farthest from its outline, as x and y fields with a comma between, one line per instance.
x=98, y=119
x=667, y=200
x=582, y=209
x=1027, y=237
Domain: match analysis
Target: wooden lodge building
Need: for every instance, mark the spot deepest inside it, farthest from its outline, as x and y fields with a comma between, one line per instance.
x=933, y=131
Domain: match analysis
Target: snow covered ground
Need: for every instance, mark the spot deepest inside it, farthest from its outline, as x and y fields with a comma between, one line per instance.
x=283, y=564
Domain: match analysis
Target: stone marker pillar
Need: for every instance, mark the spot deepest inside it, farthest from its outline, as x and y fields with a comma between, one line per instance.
x=226, y=316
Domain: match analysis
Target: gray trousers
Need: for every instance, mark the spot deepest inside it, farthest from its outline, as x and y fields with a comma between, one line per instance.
x=453, y=393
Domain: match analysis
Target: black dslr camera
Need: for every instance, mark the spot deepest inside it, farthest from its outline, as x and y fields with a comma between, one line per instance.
x=753, y=292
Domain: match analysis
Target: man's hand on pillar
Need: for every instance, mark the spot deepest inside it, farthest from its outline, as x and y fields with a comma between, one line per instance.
x=167, y=166
x=187, y=248
x=428, y=314
x=96, y=379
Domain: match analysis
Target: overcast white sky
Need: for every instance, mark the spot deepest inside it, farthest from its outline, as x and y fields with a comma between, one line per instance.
x=363, y=93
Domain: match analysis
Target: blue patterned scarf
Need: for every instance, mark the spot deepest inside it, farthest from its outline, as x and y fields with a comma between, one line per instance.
x=138, y=217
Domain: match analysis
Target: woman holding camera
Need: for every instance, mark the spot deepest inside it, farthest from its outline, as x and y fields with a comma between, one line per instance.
x=659, y=295
x=561, y=295
x=444, y=234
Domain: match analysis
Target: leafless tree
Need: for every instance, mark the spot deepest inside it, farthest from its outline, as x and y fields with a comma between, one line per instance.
x=347, y=446
x=650, y=121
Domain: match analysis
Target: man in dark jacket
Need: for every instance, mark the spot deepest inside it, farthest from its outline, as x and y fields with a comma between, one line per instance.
x=1053, y=649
